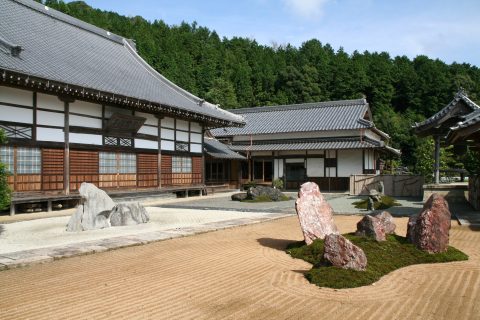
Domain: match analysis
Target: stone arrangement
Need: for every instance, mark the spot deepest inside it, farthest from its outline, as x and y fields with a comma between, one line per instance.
x=260, y=191
x=341, y=252
x=429, y=230
x=314, y=213
x=376, y=226
x=97, y=211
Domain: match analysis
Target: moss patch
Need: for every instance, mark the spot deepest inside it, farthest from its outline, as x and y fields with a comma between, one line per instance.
x=386, y=203
x=383, y=257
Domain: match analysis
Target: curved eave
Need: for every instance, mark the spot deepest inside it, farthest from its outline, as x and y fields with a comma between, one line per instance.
x=33, y=82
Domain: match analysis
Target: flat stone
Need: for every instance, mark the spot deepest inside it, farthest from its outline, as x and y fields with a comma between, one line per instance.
x=314, y=213
x=341, y=252
x=27, y=261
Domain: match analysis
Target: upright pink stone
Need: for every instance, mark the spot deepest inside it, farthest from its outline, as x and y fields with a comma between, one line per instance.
x=314, y=213
x=429, y=231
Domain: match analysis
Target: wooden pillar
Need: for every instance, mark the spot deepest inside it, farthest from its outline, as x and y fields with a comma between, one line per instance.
x=437, y=160
x=159, y=165
x=66, y=153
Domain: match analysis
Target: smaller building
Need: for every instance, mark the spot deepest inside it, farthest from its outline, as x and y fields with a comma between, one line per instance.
x=324, y=142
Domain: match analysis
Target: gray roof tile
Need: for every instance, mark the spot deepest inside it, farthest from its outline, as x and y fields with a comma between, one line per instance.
x=218, y=150
x=319, y=116
x=57, y=47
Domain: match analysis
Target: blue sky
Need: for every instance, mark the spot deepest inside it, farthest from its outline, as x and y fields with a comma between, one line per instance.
x=444, y=29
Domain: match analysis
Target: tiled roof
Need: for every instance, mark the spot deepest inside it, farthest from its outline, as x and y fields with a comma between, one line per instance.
x=311, y=144
x=428, y=123
x=40, y=42
x=319, y=116
x=218, y=150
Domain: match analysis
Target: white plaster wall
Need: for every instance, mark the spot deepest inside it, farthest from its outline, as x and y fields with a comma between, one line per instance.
x=146, y=144
x=275, y=169
x=85, y=138
x=47, y=101
x=80, y=121
x=168, y=145
x=369, y=159
x=149, y=130
x=16, y=114
x=299, y=135
x=16, y=96
x=83, y=107
x=195, y=127
x=349, y=162
x=331, y=172
x=196, y=137
x=151, y=119
x=182, y=125
x=195, y=147
x=49, y=134
x=50, y=118
x=182, y=136
x=167, y=134
x=168, y=122
x=315, y=167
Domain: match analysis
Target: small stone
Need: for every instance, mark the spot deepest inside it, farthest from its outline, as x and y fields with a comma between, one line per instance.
x=429, y=230
x=340, y=252
x=239, y=196
x=370, y=204
x=314, y=213
x=371, y=226
x=126, y=214
x=387, y=220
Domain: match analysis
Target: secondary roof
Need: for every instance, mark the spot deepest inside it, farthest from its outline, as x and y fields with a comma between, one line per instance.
x=318, y=116
x=42, y=47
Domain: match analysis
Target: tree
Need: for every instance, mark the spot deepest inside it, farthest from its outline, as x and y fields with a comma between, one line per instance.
x=5, y=191
x=426, y=161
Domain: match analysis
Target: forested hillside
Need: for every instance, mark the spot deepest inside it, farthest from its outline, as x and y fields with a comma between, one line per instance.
x=239, y=72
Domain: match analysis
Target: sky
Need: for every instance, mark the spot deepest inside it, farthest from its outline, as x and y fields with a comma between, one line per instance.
x=445, y=29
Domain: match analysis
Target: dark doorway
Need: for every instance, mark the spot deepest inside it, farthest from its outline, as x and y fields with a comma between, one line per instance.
x=295, y=175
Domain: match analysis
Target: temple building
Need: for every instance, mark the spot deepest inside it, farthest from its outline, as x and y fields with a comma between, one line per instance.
x=324, y=142
x=78, y=104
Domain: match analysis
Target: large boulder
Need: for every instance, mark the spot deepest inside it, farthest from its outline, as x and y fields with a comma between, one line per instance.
x=340, y=252
x=131, y=213
x=94, y=210
x=372, y=227
x=273, y=194
x=429, y=231
x=314, y=213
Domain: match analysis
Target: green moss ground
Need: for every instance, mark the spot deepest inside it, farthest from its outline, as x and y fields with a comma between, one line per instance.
x=383, y=257
x=386, y=203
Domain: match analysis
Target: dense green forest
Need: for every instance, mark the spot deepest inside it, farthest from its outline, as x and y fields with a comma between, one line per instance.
x=239, y=72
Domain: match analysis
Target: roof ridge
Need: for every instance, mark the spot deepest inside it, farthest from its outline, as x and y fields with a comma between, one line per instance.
x=55, y=14
x=307, y=105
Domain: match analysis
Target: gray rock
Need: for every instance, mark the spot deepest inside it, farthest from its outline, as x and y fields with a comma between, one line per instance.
x=340, y=252
x=239, y=196
x=125, y=214
x=94, y=210
x=370, y=204
x=260, y=191
x=371, y=226
x=314, y=213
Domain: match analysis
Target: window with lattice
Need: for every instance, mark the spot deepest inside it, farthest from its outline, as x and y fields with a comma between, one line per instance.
x=181, y=164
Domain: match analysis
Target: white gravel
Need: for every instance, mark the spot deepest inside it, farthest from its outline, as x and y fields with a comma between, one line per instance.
x=50, y=232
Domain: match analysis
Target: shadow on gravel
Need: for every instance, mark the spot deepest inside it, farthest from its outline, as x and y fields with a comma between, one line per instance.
x=278, y=244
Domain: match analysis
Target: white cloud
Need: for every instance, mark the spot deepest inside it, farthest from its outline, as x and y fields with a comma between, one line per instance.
x=306, y=8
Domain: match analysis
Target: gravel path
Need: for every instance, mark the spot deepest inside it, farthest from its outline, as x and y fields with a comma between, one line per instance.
x=239, y=273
